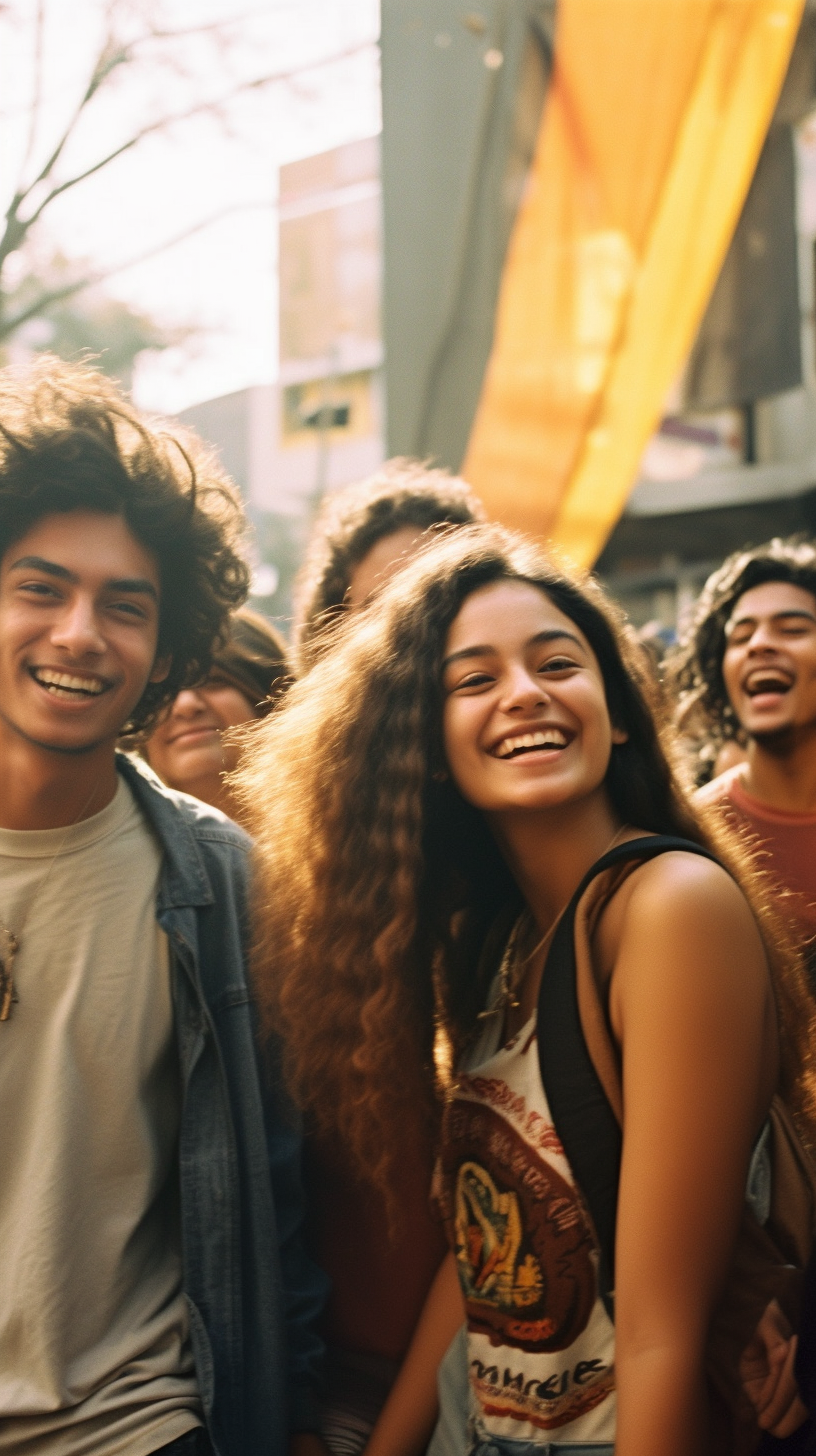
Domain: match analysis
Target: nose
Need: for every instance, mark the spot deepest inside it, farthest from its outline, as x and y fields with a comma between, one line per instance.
x=187, y=704
x=763, y=638
x=522, y=690
x=77, y=630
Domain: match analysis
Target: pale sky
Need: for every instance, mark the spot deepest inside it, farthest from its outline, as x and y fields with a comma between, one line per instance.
x=224, y=278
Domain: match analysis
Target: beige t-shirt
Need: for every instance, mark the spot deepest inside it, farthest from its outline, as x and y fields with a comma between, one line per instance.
x=94, y=1344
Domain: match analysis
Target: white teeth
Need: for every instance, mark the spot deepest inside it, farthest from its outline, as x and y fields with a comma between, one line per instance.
x=66, y=683
x=544, y=738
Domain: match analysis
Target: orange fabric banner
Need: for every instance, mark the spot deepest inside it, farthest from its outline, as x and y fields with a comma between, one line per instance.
x=653, y=125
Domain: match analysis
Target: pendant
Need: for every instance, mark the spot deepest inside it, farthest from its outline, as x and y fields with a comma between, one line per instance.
x=9, y=946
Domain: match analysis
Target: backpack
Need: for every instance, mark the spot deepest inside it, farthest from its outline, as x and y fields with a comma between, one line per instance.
x=580, y=1072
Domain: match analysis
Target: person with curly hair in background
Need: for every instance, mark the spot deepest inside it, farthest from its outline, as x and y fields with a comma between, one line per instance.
x=362, y=536
x=746, y=669
x=190, y=747
x=155, y=1296
x=470, y=748
x=381, y=1262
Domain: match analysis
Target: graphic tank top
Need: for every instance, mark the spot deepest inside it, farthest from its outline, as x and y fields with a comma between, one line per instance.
x=541, y=1346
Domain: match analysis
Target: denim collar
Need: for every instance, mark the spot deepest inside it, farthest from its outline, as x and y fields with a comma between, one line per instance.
x=184, y=880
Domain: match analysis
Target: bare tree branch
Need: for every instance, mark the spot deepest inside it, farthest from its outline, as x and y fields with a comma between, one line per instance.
x=107, y=61
x=164, y=122
x=40, y=306
x=36, y=100
x=228, y=22
x=49, y=296
x=119, y=48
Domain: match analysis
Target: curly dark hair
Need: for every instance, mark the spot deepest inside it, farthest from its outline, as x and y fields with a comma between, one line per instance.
x=378, y=884
x=705, y=716
x=69, y=441
x=402, y=493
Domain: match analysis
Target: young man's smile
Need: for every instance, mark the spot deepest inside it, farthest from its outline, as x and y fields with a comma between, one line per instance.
x=79, y=621
x=69, y=685
x=769, y=665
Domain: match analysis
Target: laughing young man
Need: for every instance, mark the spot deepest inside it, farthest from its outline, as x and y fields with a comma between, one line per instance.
x=153, y=1296
x=748, y=666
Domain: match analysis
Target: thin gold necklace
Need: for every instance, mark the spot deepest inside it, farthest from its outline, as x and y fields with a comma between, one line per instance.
x=514, y=967
x=10, y=940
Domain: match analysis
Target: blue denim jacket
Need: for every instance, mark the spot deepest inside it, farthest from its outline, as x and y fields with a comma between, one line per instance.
x=253, y=1296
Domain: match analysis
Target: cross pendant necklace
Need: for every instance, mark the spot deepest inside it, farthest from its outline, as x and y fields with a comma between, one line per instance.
x=9, y=946
x=9, y=942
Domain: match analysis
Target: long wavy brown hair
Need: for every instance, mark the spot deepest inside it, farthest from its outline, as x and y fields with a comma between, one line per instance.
x=378, y=883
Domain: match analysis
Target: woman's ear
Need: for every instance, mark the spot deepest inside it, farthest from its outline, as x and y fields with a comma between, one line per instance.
x=619, y=735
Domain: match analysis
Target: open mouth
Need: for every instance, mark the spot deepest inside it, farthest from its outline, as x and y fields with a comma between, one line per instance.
x=767, y=682
x=522, y=743
x=69, y=686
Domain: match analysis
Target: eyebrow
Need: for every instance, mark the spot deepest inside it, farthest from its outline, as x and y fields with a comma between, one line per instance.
x=551, y=634
x=131, y=585
x=774, y=617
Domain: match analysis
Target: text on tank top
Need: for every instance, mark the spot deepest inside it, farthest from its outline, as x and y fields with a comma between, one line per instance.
x=540, y=1343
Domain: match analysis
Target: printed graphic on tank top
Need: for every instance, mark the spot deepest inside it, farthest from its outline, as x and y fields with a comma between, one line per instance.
x=541, y=1346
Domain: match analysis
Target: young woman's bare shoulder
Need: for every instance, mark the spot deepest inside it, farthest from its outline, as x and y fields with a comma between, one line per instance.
x=688, y=975
x=679, y=882
x=678, y=903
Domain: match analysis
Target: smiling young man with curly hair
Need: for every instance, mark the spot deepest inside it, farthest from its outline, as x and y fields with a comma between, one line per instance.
x=154, y=1297
x=746, y=670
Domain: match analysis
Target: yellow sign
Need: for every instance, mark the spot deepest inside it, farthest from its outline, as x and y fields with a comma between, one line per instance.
x=340, y=407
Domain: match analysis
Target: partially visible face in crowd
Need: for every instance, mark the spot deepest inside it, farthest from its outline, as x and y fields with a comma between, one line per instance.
x=79, y=625
x=187, y=748
x=525, y=720
x=769, y=665
x=379, y=564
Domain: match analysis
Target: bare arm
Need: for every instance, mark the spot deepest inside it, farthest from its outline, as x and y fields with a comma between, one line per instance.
x=409, y=1415
x=691, y=1008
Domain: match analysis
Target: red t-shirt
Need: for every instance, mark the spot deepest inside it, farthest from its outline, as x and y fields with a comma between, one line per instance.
x=785, y=842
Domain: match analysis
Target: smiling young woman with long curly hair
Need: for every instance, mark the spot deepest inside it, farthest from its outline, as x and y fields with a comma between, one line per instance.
x=466, y=753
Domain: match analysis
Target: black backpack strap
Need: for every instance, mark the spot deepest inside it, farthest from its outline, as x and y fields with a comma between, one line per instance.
x=584, y=1120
